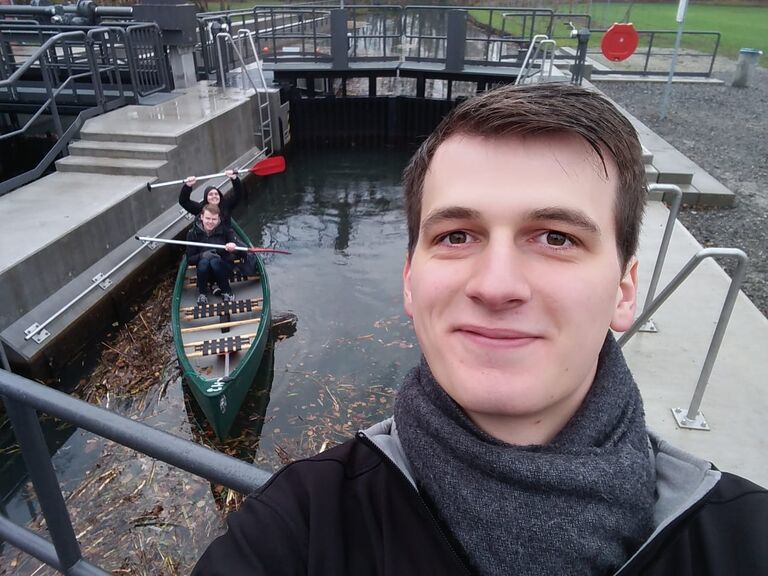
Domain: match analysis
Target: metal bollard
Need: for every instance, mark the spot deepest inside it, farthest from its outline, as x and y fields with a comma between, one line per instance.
x=747, y=60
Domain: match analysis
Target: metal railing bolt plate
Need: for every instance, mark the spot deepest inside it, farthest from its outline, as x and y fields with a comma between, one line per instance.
x=102, y=280
x=698, y=423
x=649, y=326
x=39, y=335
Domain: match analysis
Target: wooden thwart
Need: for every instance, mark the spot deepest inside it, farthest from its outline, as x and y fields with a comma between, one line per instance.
x=221, y=308
x=201, y=342
x=251, y=300
x=219, y=346
x=220, y=325
x=201, y=354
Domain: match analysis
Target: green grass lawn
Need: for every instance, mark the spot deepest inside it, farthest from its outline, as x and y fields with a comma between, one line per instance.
x=739, y=26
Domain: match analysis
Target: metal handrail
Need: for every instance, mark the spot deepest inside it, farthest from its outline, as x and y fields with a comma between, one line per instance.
x=36, y=328
x=265, y=124
x=693, y=417
x=23, y=397
x=41, y=59
x=38, y=55
x=674, y=210
x=540, y=45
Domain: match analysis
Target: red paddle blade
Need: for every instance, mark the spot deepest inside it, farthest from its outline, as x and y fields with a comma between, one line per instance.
x=271, y=165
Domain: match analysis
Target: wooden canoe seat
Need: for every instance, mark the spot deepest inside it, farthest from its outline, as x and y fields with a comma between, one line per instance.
x=221, y=309
x=227, y=345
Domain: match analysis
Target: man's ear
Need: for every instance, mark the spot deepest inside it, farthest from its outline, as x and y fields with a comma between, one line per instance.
x=626, y=299
x=407, y=300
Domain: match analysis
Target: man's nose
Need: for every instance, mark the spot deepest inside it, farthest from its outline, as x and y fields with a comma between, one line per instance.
x=499, y=275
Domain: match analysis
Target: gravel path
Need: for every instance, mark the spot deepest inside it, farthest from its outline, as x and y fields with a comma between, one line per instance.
x=725, y=131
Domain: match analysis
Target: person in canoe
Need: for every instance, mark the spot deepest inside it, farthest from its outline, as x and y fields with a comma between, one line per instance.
x=213, y=265
x=212, y=196
x=519, y=443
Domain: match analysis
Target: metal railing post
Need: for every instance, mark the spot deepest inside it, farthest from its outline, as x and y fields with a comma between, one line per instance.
x=46, y=73
x=98, y=90
x=34, y=449
x=677, y=199
x=648, y=53
x=717, y=337
x=456, y=40
x=693, y=418
x=4, y=358
x=714, y=55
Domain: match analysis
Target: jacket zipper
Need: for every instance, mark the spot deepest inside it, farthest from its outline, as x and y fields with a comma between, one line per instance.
x=435, y=524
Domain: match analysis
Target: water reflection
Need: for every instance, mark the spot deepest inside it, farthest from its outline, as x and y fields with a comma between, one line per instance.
x=341, y=215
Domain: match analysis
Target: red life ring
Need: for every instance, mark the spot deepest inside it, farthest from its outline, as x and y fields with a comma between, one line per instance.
x=619, y=42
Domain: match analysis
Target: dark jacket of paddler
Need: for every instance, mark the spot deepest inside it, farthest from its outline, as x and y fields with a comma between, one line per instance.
x=219, y=235
x=227, y=204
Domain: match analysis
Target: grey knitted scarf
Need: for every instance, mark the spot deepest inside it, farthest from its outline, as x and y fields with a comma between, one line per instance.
x=581, y=504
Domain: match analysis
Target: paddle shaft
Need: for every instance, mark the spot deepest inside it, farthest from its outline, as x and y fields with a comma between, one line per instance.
x=205, y=177
x=214, y=246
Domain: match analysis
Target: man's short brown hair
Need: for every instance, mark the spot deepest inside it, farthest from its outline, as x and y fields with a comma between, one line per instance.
x=534, y=110
x=211, y=209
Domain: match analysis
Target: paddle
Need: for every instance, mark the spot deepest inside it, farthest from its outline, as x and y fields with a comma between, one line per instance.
x=214, y=246
x=266, y=167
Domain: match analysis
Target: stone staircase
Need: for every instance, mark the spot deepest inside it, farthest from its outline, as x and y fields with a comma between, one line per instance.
x=118, y=154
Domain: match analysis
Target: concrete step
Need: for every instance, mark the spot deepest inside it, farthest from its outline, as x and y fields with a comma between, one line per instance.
x=113, y=166
x=138, y=150
x=651, y=174
x=647, y=156
x=141, y=138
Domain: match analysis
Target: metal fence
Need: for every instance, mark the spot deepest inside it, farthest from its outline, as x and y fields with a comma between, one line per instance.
x=85, y=70
x=495, y=36
x=147, y=59
x=655, y=49
x=22, y=398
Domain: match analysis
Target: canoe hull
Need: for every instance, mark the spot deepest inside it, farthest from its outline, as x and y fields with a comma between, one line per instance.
x=220, y=385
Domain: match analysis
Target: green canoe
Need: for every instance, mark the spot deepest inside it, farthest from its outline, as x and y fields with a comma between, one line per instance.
x=220, y=345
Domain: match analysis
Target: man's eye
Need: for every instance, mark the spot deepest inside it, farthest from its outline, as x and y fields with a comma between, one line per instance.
x=556, y=238
x=453, y=238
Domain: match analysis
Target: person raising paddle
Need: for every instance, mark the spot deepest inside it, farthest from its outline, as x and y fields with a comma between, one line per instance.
x=212, y=196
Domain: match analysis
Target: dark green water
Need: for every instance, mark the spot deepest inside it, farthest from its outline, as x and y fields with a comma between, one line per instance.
x=341, y=215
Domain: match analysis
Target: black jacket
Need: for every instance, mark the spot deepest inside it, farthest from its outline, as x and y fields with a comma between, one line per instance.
x=353, y=510
x=220, y=235
x=226, y=206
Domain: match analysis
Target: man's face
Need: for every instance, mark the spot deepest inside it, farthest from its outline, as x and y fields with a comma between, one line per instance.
x=213, y=197
x=210, y=221
x=515, y=278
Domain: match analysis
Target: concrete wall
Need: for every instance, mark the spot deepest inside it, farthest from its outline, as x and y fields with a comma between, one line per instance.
x=206, y=147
